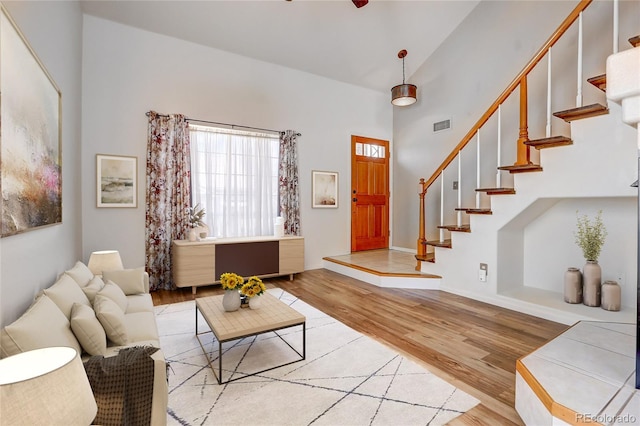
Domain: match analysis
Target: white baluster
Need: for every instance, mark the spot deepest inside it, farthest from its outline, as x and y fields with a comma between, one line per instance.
x=499, y=173
x=616, y=26
x=548, y=127
x=459, y=216
x=442, y=205
x=579, y=95
x=478, y=168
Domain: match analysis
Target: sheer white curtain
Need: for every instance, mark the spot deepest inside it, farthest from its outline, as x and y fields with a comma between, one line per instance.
x=234, y=176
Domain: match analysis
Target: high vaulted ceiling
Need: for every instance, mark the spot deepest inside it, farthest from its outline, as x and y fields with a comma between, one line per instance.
x=330, y=38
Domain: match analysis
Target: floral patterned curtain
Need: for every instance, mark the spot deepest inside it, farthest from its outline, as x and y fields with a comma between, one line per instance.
x=288, y=182
x=168, y=193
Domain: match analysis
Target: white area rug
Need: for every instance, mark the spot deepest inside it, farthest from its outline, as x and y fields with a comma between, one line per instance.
x=346, y=379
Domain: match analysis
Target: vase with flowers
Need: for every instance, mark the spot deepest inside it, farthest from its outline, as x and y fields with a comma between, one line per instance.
x=590, y=237
x=195, y=217
x=253, y=288
x=231, y=283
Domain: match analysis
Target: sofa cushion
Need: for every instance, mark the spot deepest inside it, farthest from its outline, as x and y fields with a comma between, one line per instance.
x=141, y=326
x=43, y=325
x=80, y=274
x=139, y=303
x=91, y=289
x=64, y=293
x=113, y=292
x=88, y=330
x=112, y=319
x=131, y=281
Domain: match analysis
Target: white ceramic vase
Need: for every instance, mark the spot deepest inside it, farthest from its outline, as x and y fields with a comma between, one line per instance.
x=193, y=235
x=591, y=283
x=231, y=300
x=255, y=302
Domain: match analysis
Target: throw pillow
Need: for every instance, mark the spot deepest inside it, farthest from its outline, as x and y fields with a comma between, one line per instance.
x=80, y=274
x=64, y=293
x=131, y=281
x=115, y=293
x=88, y=330
x=94, y=286
x=41, y=326
x=112, y=319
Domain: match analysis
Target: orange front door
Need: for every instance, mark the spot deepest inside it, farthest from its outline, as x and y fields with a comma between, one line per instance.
x=369, y=193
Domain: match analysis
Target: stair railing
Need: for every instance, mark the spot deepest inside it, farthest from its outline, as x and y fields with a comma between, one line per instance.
x=523, y=150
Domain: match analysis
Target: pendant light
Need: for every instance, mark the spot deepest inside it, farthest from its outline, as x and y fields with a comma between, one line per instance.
x=403, y=94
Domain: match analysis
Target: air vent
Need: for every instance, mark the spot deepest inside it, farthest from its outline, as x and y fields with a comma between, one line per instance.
x=442, y=125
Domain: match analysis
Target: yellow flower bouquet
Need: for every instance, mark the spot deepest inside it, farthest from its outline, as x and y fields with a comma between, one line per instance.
x=231, y=281
x=253, y=287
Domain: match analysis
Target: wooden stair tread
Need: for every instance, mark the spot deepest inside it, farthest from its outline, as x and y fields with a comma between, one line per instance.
x=592, y=110
x=551, y=142
x=456, y=228
x=522, y=168
x=599, y=81
x=438, y=243
x=635, y=41
x=429, y=257
x=471, y=210
x=497, y=191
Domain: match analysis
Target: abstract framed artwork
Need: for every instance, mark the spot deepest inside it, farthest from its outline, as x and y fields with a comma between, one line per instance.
x=30, y=141
x=324, y=190
x=116, y=181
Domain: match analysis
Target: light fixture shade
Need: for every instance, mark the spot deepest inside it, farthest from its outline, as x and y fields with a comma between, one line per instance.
x=105, y=260
x=403, y=94
x=46, y=386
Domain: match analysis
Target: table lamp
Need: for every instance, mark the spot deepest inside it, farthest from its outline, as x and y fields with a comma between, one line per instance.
x=45, y=386
x=105, y=260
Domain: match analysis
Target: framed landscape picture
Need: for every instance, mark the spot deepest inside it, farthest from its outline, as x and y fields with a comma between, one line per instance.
x=324, y=190
x=30, y=142
x=116, y=181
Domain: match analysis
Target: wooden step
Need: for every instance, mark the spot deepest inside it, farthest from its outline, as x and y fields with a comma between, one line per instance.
x=497, y=191
x=599, y=81
x=429, y=257
x=593, y=110
x=471, y=210
x=634, y=184
x=523, y=168
x=456, y=228
x=635, y=41
x=551, y=142
x=438, y=243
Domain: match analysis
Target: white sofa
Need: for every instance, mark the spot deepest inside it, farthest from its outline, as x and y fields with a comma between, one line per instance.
x=96, y=316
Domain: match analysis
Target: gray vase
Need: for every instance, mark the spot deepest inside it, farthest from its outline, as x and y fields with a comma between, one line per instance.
x=573, y=286
x=611, y=293
x=592, y=281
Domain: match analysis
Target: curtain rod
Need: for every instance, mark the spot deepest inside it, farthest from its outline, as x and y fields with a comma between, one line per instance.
x=233, y=126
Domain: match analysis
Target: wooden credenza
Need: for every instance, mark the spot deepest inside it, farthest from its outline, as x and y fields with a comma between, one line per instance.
x=199, y=263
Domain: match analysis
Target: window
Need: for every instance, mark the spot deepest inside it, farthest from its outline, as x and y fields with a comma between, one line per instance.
x=370, y=150
x=234, y=176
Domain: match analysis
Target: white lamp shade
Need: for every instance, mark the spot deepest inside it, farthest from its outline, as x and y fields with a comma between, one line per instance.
x=46, y=386
x=105, y=260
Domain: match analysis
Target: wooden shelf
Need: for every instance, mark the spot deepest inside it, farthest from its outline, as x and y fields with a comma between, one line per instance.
x=474, y=211
x=522, y=168
x=456, y=228
x=573, y=114
x=438, y=243
x=497, y=191
x=551, y=142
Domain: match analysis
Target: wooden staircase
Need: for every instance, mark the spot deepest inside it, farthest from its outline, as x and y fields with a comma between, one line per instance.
x=523, y=163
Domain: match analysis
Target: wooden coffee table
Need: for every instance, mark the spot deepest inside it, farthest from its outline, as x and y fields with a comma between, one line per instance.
x=273, y=315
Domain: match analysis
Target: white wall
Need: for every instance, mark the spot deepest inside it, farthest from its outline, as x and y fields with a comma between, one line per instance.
x=33, y=260
x=127, y=72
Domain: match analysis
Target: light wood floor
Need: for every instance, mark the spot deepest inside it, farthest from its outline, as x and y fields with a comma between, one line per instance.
x=470, y=344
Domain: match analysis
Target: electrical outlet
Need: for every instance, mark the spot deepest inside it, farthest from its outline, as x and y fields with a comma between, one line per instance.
x=620, y=278
x=455, y=185
x=482, y=273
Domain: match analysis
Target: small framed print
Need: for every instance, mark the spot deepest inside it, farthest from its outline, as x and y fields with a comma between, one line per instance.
x=116, y=181
x=324, y=190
